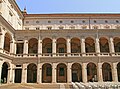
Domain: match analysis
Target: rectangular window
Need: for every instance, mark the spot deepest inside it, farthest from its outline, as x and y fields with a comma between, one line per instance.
x=19, y=48
x=61, y=71
x=48, y=71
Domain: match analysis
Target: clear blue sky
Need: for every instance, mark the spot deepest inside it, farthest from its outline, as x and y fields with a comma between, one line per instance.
x=70, y=6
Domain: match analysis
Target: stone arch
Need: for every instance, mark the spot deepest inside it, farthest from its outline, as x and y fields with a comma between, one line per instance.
x=32, y=73
x=89, y=45
x=7, y=41
x=118, y=71
x=117, y=44
x=61, y=45
x=33, y=45
x=46, y=73
x=76, y=72
x=61, y=73
x=106, y=72
x=91, y=72
x=75, y=45
x=104, y=45
x=47, y=45
x=4, y=75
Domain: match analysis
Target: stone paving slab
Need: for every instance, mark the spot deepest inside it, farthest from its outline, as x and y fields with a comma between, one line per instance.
x=35, y=86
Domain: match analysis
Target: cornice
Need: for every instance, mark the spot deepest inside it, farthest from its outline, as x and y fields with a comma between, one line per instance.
x=71, y=15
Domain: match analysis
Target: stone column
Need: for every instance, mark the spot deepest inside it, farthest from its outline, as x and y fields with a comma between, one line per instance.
x=111, y=45
x=69, y=73
x=97, y=46
x=83, y=46
x=2, y=38
x=54, y=46
x=25, y=51
x=99, y=72
x=24, y=73
x=54, y=67
x=114, y=72
x=39, y=46
x=68, y=46
x=84, y=72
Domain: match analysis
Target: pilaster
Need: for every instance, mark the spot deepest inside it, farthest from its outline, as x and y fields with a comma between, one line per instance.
x=25, y=51
x=24, y=73
x=12, y=46
x=97, y=46
x=54, y=46
x=13, y=73
x=68, y=46
x=10, y=74
x=39, y=46
x=69, y=73
x=84, y=72
x=83, y=46
x=0, y=70
x=54, y=67
x=40, y=73
x=99, y=70
x=2, y=38
x=114, y=72
x=111, y=45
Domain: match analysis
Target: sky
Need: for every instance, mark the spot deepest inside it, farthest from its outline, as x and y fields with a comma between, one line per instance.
x=69, y=6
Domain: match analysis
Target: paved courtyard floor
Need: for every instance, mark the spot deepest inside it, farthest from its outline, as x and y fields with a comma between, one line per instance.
x=36, y=86
x=76, y=85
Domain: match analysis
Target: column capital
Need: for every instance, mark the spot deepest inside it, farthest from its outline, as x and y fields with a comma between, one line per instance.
x=84, y=65
x=97, y=39
x=69, y=64
x=54, y=64
x=112, y=50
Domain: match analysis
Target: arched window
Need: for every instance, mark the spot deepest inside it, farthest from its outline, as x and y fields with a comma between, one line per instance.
x=89, y=45
x=104, y=45
x=33, y=45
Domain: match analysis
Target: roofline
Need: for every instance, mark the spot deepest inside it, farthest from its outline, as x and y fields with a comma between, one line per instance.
x=73, y=15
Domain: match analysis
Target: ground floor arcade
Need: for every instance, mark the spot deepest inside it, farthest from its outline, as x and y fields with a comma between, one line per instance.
x=60, y=72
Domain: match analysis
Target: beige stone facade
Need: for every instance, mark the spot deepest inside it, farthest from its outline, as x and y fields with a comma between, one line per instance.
x=58, y=48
